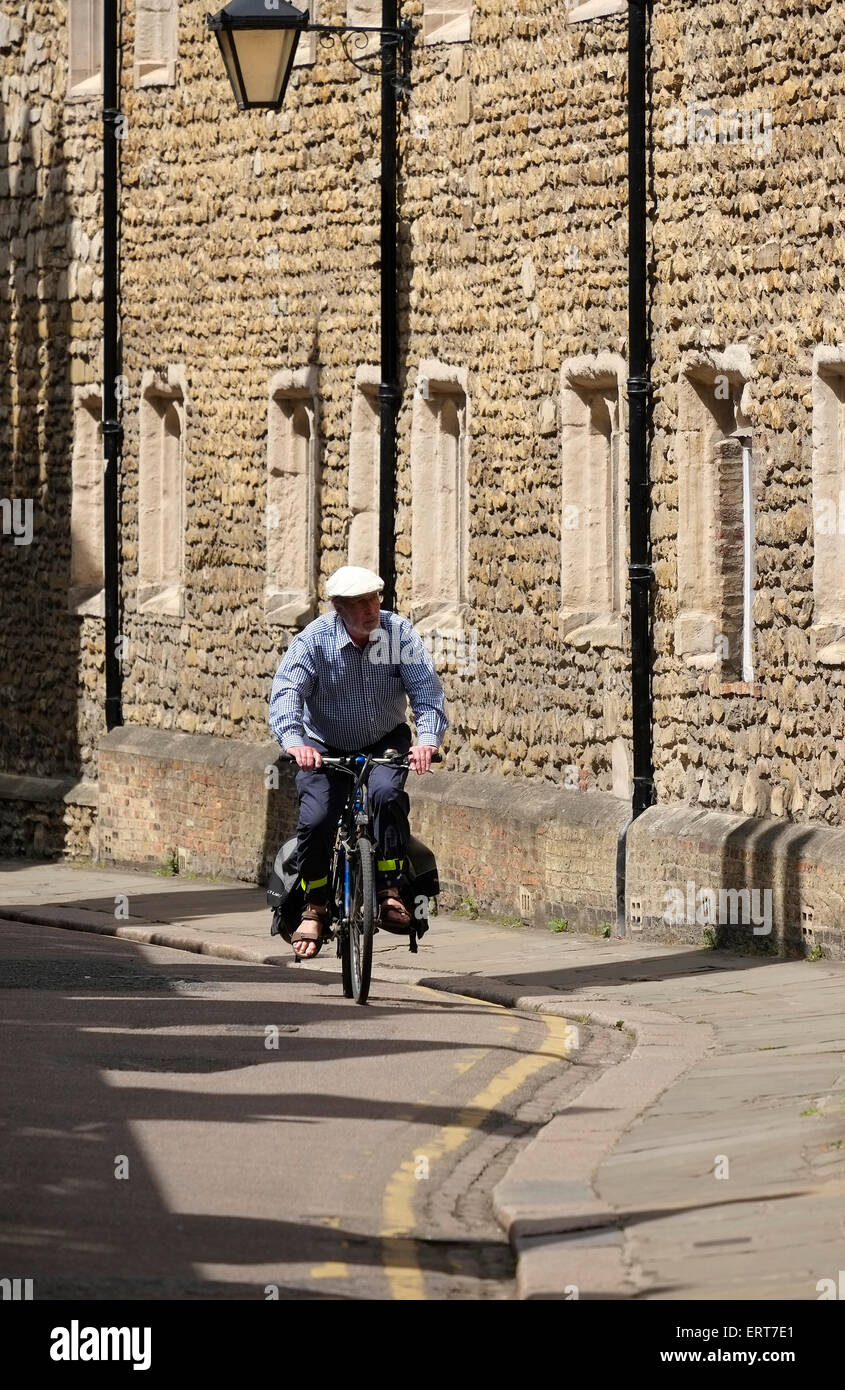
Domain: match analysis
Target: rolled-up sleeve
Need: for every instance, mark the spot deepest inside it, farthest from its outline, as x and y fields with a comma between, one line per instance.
x=293, y=683
x=424, y=689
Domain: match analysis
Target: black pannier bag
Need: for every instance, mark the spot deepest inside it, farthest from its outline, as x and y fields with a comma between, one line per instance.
x=286, y=897
x=422, y=870
x=285, y=893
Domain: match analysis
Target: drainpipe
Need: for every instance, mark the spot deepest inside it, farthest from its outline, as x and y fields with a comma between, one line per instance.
x=111, y=426
x=640, y=571
x=389, y=394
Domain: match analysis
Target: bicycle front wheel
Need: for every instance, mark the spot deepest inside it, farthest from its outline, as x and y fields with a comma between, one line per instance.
x=344, y=945
x=362, y=921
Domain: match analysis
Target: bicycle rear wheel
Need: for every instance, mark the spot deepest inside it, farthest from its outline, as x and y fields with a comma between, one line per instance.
x=361, y=921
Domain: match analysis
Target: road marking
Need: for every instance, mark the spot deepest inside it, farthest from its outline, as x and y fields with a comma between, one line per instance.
x=398, y=1245
x=466, y=1064
x=330, y=1270
x=444, y=995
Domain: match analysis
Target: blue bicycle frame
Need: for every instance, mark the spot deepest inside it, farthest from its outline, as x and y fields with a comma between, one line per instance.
x=347, y=876
x=347, y=888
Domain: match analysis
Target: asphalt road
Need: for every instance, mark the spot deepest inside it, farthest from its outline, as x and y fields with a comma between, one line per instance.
x=178, y=1127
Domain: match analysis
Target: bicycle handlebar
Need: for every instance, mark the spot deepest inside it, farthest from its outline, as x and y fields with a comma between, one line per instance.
x=348, y=761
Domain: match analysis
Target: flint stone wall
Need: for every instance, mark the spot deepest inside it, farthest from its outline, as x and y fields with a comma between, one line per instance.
x=51, y=662
x=48, y=817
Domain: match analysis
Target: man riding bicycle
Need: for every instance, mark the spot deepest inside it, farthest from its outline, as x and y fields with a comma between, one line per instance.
x=344, y=687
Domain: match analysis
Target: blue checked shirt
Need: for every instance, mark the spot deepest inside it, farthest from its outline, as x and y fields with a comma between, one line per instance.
x=348, y=697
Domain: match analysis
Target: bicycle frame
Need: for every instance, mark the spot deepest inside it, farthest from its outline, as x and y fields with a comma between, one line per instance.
x=349, y=879
x=352, y=874
x=354, y=817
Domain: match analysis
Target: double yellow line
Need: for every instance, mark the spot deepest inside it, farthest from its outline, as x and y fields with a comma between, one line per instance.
x=398, y=1241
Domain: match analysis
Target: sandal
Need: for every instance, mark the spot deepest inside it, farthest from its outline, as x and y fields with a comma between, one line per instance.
x=314, y=912
x=394, y=914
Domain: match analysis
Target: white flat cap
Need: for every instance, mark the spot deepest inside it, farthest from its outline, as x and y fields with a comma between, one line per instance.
x=350, y=581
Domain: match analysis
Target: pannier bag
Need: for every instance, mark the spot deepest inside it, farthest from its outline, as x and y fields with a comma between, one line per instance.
x=422, y=870
x=287, y=899
x=284, y=892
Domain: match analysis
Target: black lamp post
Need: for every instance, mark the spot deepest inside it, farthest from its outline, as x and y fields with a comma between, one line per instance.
x=258, y=40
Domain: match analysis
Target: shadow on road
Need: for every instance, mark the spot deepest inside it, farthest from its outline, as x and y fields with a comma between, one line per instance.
x=90, y=1211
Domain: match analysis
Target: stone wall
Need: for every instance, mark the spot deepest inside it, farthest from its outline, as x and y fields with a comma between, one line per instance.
x=250, y=247
x=748, y=250
x=751, y=883
x=47, y=817
x=51, y=661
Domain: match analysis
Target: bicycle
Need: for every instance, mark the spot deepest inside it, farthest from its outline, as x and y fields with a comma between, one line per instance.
x=352, y=885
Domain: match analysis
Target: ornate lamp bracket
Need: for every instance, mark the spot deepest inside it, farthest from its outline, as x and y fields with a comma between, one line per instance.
x=391, y=59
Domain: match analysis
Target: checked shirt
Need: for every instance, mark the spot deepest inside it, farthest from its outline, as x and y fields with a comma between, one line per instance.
x=347, y=697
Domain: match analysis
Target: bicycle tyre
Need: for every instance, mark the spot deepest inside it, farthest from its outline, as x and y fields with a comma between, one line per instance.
x=346, y=962
x=362, y=922
x=344, y=942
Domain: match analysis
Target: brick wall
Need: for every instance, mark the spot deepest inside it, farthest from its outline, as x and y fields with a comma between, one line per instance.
x=222, y=807
x=794, y=878
x=493, y=837
x=209, y=802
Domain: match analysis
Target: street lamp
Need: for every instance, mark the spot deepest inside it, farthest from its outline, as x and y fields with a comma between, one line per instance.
x=258, y=44
x=258, y=40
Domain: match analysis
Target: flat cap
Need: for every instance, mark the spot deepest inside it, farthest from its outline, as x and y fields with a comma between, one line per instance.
x=351, y=581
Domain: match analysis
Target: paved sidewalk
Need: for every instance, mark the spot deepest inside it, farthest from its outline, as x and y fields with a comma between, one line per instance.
x=710, y=1164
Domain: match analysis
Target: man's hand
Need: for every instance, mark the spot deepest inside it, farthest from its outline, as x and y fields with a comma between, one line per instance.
x=305, y=756
x=420, y=757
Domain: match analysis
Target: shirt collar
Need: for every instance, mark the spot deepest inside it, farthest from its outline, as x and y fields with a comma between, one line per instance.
x=342, y=636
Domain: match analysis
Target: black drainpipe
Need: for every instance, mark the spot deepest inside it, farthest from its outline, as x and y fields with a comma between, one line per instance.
x=111, y=426
x=389, y=393
x=640, y=571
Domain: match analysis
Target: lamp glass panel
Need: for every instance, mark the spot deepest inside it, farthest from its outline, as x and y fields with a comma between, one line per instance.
x=264, y=56
x=225, y=39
